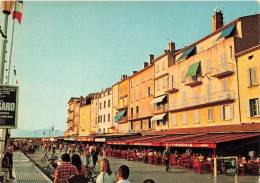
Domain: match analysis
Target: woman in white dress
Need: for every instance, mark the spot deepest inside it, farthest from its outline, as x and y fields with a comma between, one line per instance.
x=106, y=175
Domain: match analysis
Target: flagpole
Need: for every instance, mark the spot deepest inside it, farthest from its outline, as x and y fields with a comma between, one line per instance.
x=11, y=49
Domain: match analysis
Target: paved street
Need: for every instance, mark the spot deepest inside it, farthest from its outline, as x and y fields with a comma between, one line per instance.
x=140, y=171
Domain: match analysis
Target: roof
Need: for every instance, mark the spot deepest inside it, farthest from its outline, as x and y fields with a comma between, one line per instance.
x=214, y=129
x=247, y=51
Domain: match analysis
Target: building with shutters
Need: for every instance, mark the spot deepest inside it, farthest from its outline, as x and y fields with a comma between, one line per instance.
x=203, y=84
x=105, y=111
x=141, y=94
x=94, y=113
x=115, y=106
x=248, y=67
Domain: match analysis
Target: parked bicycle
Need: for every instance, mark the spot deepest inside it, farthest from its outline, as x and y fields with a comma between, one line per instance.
x=52, y=166
x=90, y=174
x=45, y=158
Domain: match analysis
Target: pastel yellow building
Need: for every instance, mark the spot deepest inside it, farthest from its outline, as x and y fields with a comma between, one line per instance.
x=115, y=107
x=203, y=85
x=248, y=64
x=94, y=113
x=159, y=104
x=141, y=94
x=71, y=115
x=123, y=102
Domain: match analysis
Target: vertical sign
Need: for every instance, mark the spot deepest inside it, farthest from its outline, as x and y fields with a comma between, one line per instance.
x=8, y=106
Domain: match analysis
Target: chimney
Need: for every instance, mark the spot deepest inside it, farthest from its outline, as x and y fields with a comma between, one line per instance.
x=134, y=72
x=151, y=58
x=145, y=64
x=217, y=20
x=171, y=46
x=122, y=77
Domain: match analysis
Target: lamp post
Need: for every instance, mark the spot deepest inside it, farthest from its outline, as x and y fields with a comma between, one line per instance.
x=7, y=7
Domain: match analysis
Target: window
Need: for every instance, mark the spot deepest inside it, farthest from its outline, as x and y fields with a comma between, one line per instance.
x=157, y=68
x=208, y=66
x=96, y=120
x=184, y=118
x=227, y=112
x=148, y=91
x=132, y=126
x=104, y=118
x=223, y=58
x=197, y=116
x=141, y=124
x=100, y=118
x=253, y=107
x=132, y=83
x=108, y=117
x=137, y=109
x=163, y=65
x=132, y=97
x=132, y=112
x=108, y=105
x=149, y=75
x=143, y=78
x=210, y=115
x=104, y=104
x=149, y=123
x=100, y=105
x=173, y=102
x=137, y=81
x=164, y=82
x=252, y=76
x=137, y=93
x=196, y=96
x=225, y=88
x=209, y=92
x=174, y=120
x=173, y=82
x=157, y=85
x=184, y=99
x=143, y=91
x=183, y=73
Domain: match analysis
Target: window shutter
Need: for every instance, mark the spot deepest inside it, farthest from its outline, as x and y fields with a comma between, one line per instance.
x=185, y=118
x=210, y=115
x=254, y=76
x=174, y=120
x=232, y=111
x=137, y=94
x=196, y=117
x=173, y=102
x=248, y=114
x=183, y=75
x=173, y=81
x=196, y=96
x=183, y=99
x=249, y=77
x=209, y=92
x=208, y=66
x=225, y=88
x=223, y=62
x=221, y=112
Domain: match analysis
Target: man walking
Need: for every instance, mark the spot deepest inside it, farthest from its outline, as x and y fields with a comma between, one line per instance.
x=166, y=157
x=65, y=170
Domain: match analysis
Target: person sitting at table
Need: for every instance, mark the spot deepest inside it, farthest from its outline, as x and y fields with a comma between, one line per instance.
x=241, y=161
x=201, y=158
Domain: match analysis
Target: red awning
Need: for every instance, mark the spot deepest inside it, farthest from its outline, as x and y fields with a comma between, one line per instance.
x=89, y=139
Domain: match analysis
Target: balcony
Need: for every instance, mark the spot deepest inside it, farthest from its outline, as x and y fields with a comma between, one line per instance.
x=123, y=119
x=160, y=109
x=216, y=98
x=175, y=88
x=69, y=119
x=69, y=110
x=223, y=70
x=193, y=81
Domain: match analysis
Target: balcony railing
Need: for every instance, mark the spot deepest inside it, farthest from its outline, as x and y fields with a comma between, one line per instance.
x=214, y=98
x=223, y=70
x=193, y=80
x=159, y=109
x=123, y=118
x=173, y=88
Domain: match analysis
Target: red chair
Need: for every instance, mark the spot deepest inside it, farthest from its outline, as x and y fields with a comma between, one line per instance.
x=241, y=169
x=130, y=157
x=199, y=167
x=123, y=154
x=173, y=162
x=113, y=154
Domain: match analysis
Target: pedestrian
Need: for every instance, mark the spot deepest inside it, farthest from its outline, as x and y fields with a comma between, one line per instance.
x=104, y=151
x=95, y=157
x=106, y=175
x=65, y=170
x=60, y=147
x=166, y=157
x=122, y=174
x=76, y=160
x=87, y=157
x=66, y=148
x=6, y=164
x=11, y=150
x=20, y=147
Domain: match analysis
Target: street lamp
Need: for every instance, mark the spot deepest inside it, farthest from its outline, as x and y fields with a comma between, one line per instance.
x=7, y=7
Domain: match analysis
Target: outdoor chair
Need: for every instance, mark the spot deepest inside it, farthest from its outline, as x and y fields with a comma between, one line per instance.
x=199, y=167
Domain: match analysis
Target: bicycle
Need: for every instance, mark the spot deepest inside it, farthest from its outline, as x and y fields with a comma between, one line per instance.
x=90, y=174
x=53, y=156
x=53, y=164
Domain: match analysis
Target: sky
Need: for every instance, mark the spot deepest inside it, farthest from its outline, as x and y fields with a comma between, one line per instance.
x=67, y=49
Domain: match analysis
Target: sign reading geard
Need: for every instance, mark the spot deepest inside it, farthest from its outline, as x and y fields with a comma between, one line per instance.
x=8, y=106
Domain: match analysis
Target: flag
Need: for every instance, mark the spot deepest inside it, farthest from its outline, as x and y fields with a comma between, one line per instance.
x=17, y=82
x=18, y=11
